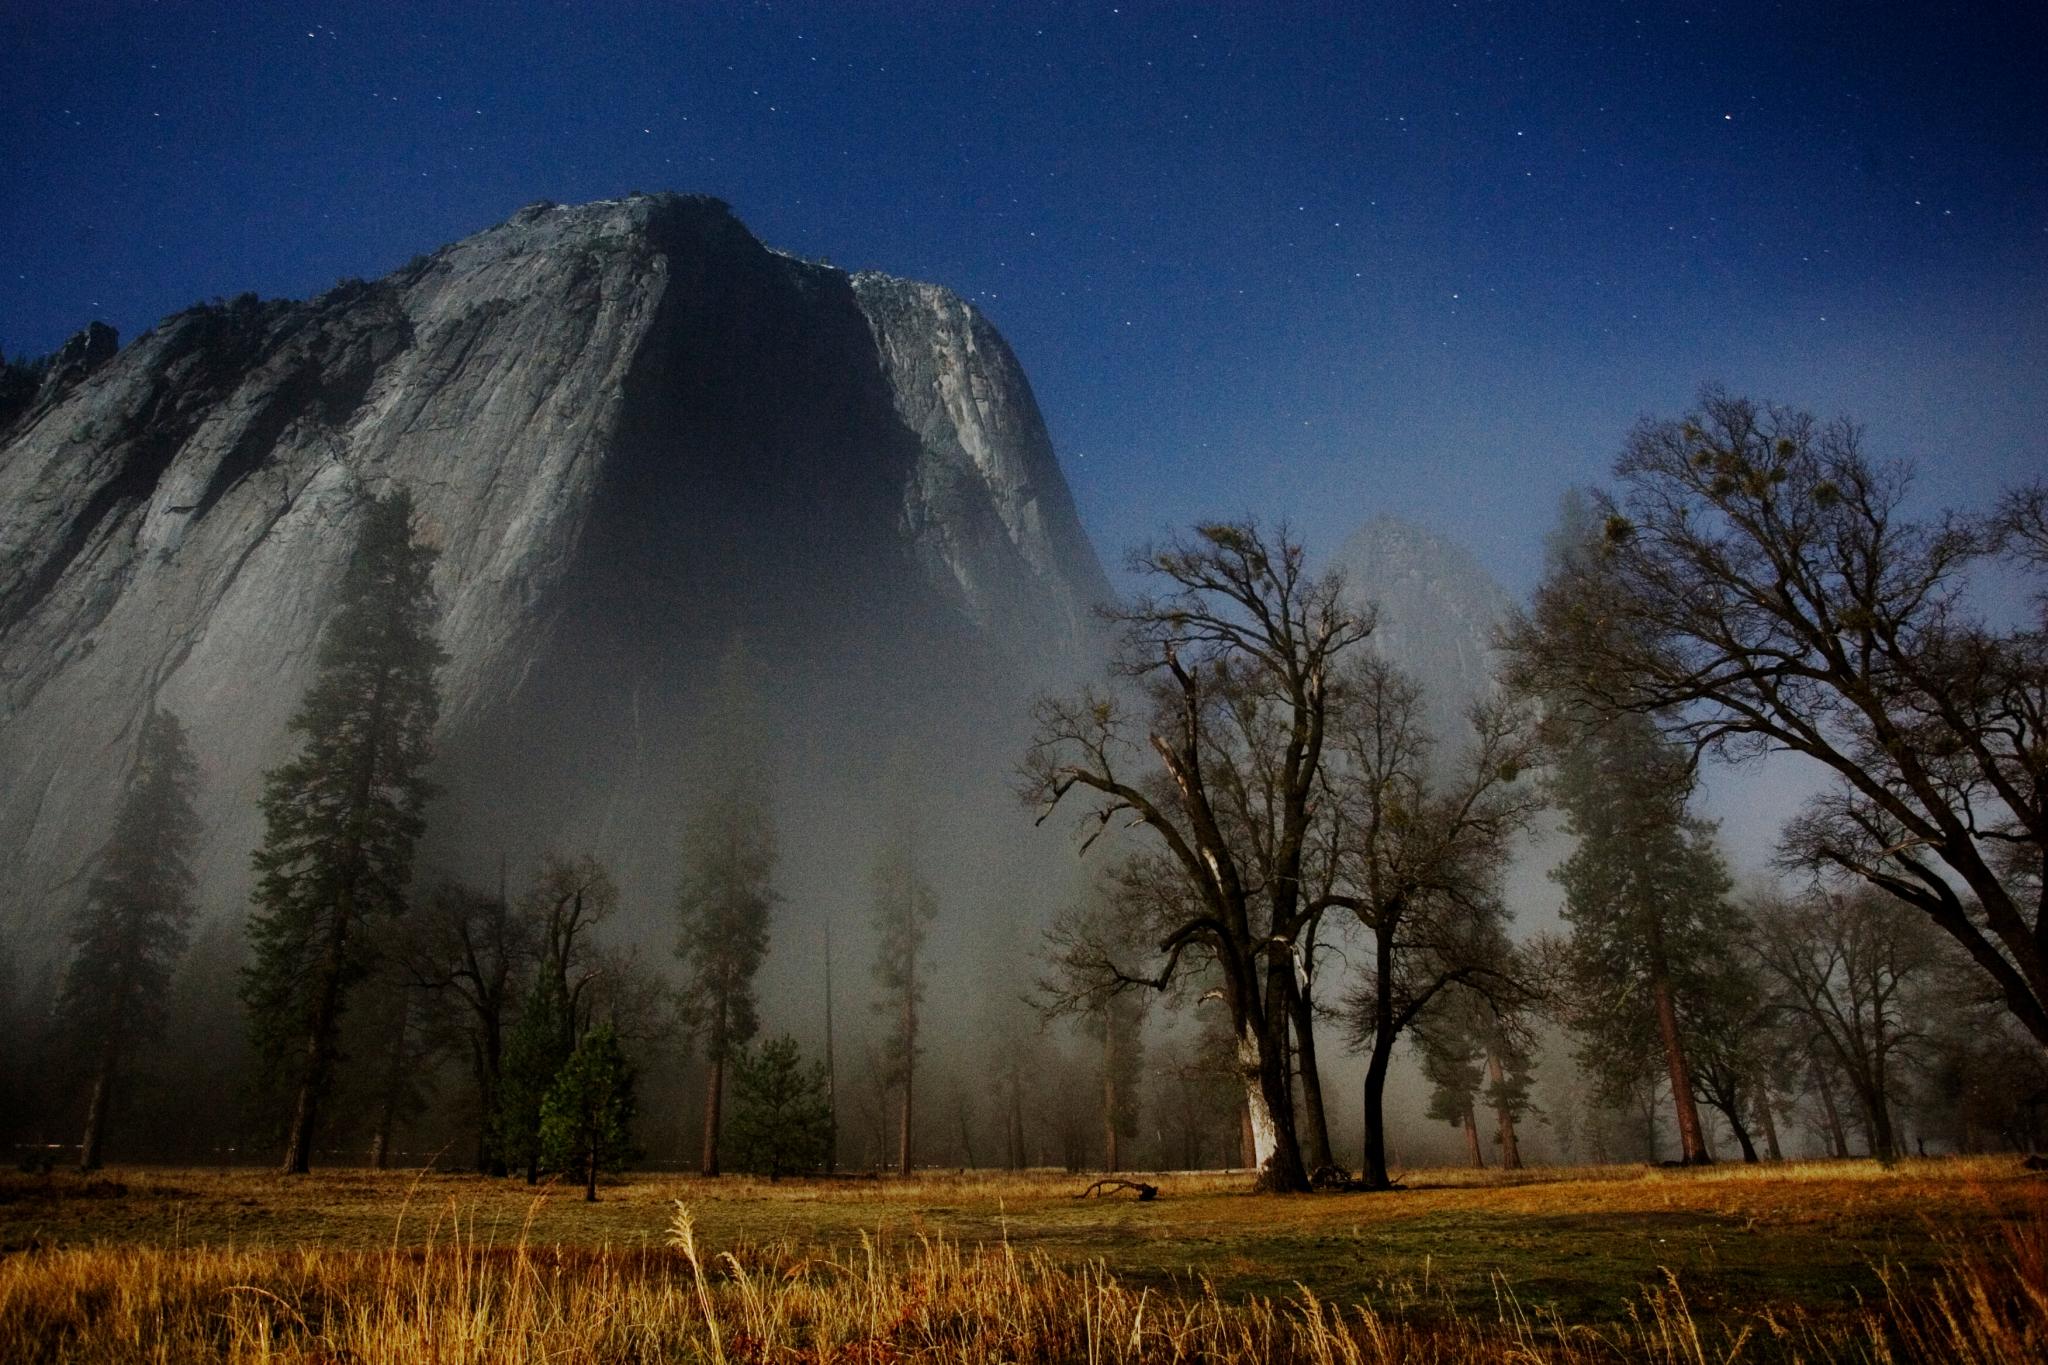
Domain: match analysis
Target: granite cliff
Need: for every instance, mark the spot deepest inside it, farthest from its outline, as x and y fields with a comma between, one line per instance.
x=1438, y=611
x=632, y=432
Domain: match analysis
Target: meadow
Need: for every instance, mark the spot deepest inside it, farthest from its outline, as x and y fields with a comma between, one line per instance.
x=1938, y=1259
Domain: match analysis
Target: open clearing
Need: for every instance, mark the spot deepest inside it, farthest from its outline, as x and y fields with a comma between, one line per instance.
x=1748, y=1250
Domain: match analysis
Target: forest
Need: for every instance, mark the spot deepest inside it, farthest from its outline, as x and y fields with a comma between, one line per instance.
x=1281, y=861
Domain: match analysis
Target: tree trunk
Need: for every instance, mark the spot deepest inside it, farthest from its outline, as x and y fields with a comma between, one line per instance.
x=298, y=1149
x=1768, y=1124
x=1883, y=1143
x=831, y=1074
x=1315, y=1137
x=1692, y=1140
x=1247, y=1141
x=1015, y=1129
x=96, y=1113
x=1510, y=1148
x=490, y=1071
x=714, y=1096
x=394, y=1083
x=1374, y=1170
x=1109, y=1151
x=1836, y=1136
x=1742, y=1138
x=1472, y=1147
x=1270, y=1102
x=903, y=1149
x=590, y=1176
x=966, y=1136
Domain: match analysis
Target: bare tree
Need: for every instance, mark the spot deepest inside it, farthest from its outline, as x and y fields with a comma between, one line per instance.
x=1761, y=587
x=570, y=897
x=476, y=947
x=1417, y=855
x=1232, y=669
x=1845, y=967
x=1102, y=927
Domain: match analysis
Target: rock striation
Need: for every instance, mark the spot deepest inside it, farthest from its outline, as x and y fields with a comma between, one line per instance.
x=1438, y=611
x=632, y=431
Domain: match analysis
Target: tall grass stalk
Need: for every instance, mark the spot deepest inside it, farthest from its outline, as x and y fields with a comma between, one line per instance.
x=461, y=1298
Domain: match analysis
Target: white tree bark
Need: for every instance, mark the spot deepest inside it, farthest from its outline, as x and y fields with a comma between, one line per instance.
x=1265, y=1136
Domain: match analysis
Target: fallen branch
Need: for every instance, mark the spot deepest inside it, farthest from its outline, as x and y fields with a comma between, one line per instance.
x=1145, y=1192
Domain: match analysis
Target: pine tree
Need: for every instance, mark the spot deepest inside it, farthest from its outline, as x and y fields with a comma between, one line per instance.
x=1646, y=898
x=781, y=1114
x=1452, y=1061
x=903, y=909
x=586, y=1121
x=341, y=819
x=723, y=906
x=132, y=928
x=534, y=1055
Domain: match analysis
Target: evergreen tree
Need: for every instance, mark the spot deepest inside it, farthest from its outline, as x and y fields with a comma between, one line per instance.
x=1452, y=1057
x=587, y=1118
x=1646, y=898
x=132, y=928
x=726, y=897
x=903, y=909
x=342, y=817
x=781, y=1114
x=534, y=1054
x=1510, y=1065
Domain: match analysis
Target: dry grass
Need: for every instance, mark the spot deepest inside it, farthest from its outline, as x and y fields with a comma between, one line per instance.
x=173, y=1266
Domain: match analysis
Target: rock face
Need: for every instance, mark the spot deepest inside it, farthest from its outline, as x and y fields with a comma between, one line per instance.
x=1438, y=611
x=633, y=433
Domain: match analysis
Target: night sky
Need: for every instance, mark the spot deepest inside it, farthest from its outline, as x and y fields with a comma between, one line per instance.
x=1311, y=261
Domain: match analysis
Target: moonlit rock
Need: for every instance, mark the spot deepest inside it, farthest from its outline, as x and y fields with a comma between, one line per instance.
x=632, y=432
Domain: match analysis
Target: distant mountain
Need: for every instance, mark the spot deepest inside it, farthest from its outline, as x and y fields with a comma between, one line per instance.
x=633, y=432
x=1437, y=613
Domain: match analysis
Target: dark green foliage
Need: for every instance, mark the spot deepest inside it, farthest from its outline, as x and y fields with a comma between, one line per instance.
x=726, y=896
x=781, y=1120
x=132, y=928
x=587, y=1118
x=1454, y=1064
x=1651, y=951
x=1472, y=1055
x=729, y=850
x=534, y=1053
x=342, y=817
x=722, y=914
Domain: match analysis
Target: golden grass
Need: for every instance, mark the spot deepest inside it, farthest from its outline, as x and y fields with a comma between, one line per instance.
x=1004, y=1268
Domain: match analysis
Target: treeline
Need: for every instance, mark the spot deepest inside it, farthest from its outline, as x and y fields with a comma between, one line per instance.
x=360, y=1004
x=1285, y=859
x=1277, y=815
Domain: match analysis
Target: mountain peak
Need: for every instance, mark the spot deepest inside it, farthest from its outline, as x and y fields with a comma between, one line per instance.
x=630, y=429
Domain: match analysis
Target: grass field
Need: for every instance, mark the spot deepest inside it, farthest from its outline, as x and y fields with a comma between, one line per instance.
x=1944, y=1259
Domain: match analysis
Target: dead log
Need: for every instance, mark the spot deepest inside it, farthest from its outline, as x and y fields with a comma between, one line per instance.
x=1146, y=1193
